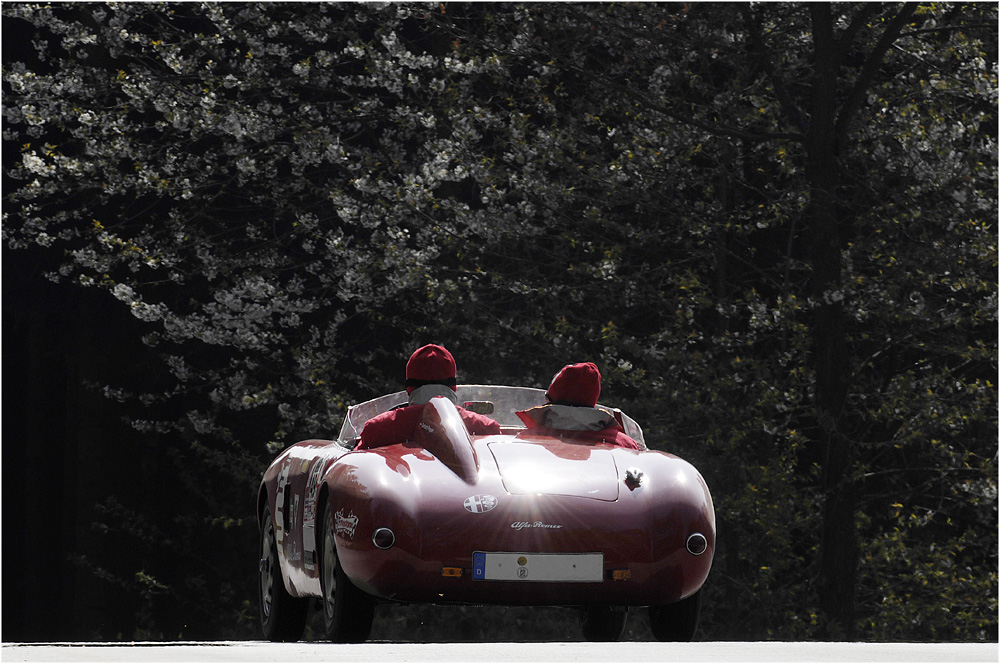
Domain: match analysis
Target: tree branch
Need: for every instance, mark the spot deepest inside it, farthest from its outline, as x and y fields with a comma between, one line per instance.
x=788, y=105
x=870, y=68
x=859, y=22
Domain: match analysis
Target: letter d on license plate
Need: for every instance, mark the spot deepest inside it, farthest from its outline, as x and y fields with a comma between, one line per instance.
x=568, y=567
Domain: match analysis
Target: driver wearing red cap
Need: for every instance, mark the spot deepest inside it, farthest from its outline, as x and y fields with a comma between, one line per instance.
x=430, y=372
x=572, y=406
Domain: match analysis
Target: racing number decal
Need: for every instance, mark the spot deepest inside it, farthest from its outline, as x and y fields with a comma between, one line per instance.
x=293, y=510
x=309, y=516
x=279, y=504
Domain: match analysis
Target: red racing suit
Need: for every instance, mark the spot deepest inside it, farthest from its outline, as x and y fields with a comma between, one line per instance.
x=582, y=423
x=397, y=426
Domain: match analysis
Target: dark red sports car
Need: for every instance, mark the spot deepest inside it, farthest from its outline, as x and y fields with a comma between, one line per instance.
x=508, y=519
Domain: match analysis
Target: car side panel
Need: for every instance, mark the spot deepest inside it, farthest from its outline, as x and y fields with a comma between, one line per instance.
x=292, y=486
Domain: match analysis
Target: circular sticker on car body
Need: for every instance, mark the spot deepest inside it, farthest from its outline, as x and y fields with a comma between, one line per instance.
x=481, y=503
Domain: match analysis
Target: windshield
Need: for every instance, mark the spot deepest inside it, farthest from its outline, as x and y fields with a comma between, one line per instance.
x=506, y=402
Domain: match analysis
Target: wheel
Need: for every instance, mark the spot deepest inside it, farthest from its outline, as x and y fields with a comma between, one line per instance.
x=604, y=623
x=347, y=611
x=282, y=617
x=677, y=621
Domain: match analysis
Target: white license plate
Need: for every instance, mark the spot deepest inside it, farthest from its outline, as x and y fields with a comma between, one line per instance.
x=501, y=566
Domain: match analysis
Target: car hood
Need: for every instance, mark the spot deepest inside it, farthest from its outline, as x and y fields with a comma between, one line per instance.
x=549, y=466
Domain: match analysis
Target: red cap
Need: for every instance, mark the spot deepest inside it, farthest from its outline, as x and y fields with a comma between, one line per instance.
x=576, y=385
x=430, y=364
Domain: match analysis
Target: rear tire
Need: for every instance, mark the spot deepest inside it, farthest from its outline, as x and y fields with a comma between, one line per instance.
x=604, y=623
x=348, y=612
x=677, y=621
x=282, y=617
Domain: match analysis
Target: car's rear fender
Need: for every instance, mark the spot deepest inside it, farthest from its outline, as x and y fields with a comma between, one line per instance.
x=357, y=513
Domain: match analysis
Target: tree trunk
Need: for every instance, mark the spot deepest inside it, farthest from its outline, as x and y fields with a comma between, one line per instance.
x=825, y=219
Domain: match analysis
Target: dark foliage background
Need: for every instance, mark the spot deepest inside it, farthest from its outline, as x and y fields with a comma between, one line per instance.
x=773, y=226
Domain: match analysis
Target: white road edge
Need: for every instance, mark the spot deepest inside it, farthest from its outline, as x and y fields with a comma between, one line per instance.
x=708, y=652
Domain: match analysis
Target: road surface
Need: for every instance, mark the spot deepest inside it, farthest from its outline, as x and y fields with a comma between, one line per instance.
x=708, y=652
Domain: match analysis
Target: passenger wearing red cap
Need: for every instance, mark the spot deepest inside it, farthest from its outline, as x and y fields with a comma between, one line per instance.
x=572, y=407
x=430, y=372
